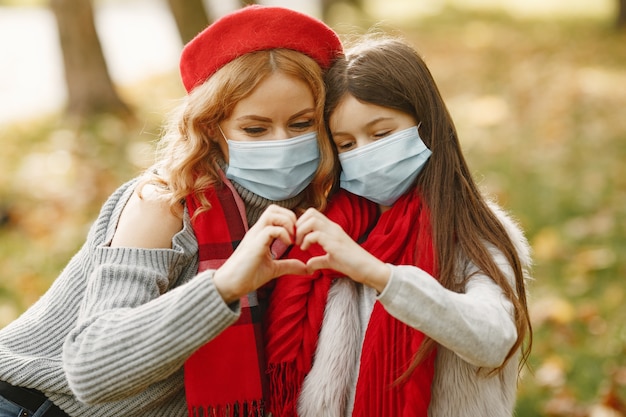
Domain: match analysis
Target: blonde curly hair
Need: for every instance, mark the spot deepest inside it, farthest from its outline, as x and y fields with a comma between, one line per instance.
x=189, y=149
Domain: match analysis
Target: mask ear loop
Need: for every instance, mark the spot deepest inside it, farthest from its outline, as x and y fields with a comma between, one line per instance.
x=225, y=167
x=418, y=132
x=222, y=132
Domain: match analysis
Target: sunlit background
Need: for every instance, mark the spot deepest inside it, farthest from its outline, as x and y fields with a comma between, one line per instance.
x=537, y=89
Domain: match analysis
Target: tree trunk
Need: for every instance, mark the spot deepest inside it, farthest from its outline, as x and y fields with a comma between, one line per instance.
x=89, y=86
x=191, y=17
x=621, y=14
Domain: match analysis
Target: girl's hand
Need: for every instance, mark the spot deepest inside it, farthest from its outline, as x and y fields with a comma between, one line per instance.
x=343, y=254
x=252, y=264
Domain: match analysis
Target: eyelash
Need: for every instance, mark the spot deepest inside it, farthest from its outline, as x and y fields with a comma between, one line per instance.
x=382, y=134
x=254, y=130
x=257, y=130
x=345, y=146
x=302, y=125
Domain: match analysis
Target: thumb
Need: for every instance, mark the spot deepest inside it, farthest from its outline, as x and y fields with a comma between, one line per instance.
x=290, y=267
x=317, y=262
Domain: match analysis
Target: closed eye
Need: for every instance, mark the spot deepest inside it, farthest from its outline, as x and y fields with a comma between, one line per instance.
x=302, y=125
x=383, y=133
x=255, y=130
x=345, y=146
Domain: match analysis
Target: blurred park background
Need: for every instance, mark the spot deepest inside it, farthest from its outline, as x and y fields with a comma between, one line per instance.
x=537, y=89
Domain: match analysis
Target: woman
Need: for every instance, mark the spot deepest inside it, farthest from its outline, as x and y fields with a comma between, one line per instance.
x=158, y=276
x=439, y=278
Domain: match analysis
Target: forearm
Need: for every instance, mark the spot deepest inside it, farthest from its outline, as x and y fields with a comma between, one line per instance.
x=477, y=325
x=129, y=336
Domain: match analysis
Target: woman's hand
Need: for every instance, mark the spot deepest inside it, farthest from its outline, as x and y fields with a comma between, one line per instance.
x=252, y=264
x=343, y=254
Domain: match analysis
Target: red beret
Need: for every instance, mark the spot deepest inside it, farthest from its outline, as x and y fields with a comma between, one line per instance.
x=256, y=28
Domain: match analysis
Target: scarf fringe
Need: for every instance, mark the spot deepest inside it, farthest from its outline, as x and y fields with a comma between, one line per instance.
x=284, y=391
x=213, y=386
x=254, y=408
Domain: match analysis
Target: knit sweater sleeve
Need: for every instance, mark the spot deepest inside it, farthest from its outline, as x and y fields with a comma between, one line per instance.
x=477, y=325
x=133, y=330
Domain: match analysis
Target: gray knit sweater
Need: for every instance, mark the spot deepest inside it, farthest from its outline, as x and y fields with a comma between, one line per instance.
x=110, y=337
x=117, y=325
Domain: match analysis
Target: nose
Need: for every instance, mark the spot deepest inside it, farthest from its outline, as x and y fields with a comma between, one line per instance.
x=281, y=133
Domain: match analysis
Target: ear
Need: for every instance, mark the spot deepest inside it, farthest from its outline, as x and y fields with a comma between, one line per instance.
x=213, y=133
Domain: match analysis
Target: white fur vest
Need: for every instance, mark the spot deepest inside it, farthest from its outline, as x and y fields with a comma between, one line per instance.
x=459, y=389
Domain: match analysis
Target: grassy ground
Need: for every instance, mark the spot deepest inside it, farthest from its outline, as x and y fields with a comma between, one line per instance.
x=539, y=108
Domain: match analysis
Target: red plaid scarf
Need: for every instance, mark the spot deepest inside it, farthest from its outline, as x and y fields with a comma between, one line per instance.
x=401, y=236
x=226, y=376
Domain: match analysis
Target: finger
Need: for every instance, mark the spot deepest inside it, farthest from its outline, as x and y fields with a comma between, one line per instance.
x=317, y=262
x=310, y=215
x=302, y=229
x=310, y=225
x=273, y=212
x=310, y=212
x=286, y=220
x=270, y=233
x=290, y=267
x=311, y=238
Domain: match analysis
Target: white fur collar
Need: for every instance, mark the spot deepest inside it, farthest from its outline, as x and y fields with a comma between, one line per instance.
x=326, y=388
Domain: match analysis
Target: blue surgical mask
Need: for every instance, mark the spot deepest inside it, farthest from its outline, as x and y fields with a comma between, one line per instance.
x=274, y=169
x=384, y=170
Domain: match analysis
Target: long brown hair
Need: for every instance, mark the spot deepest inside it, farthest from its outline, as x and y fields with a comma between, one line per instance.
x=189, y=148
x=388, y=72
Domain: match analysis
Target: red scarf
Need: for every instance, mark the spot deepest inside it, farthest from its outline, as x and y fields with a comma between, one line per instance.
x=401, y=236
x=226, y=376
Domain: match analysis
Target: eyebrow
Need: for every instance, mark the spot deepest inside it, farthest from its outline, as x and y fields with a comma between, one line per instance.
x=267, y=119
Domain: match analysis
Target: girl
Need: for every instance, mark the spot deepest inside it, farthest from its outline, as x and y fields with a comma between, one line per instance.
x=434, y=317
x=159, y=276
